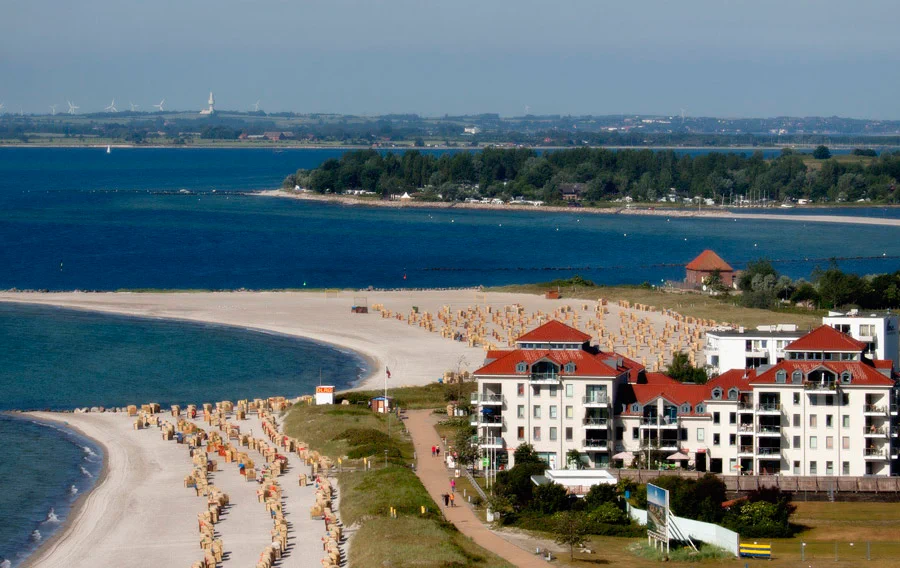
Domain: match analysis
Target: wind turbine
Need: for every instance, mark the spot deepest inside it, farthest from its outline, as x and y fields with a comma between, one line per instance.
x=72, y=108
x=52, y=110
x=160, y=105
x=2, y=106
x=682, y=116
x=111, y=107
x=256, y=106
x=134, y=107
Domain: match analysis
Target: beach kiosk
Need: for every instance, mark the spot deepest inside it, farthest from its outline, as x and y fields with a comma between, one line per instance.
x=324, y=394
x=381, y=404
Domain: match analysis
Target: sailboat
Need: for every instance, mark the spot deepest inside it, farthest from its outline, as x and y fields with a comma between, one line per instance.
x=108, y=149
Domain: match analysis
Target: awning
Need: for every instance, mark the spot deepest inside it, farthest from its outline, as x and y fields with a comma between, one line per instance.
x=701, y=451
x=677, y=456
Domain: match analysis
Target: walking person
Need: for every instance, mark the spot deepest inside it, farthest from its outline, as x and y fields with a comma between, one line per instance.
x=453, y=486
x=437, y=449
x=446, y=498
x=452, y=500
x=432, y=451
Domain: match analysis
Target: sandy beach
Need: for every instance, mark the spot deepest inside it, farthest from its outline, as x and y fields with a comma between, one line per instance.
x=140, y=510
x=711, y=213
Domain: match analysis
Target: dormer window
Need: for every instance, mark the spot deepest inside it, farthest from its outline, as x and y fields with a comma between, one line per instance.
x=797, y=377
x=570, y=368
x=635, y=407
x=846, y=377
x=700, y=409
x=685, y=408
x=717, y=393
x=732, y=394
x=521, y=367
x=781, y=377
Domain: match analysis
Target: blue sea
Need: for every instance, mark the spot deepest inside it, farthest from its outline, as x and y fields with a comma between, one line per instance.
x=82, y=219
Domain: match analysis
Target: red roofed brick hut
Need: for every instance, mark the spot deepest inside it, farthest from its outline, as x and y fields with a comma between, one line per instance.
x=704, y=265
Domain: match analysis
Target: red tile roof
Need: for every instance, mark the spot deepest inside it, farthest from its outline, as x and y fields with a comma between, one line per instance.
x=709, y=261
x=861, y=372
x=587, y=364
x=555, y=331
x=739, y=378
x=826, y=338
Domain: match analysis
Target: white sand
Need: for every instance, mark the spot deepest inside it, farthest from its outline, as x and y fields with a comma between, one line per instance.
x=140, y=514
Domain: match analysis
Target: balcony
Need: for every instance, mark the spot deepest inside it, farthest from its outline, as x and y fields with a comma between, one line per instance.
x=895, y=432
x=594, y=445
x=669, y=446
x=874, y=410
x=545, y=377
x=769, y=431
x=768, y=453
x=486, y=398
x=745, y=407
x=875, y=454
x=745, y=428
x=875, y=432
x=662, y=422
x=489, y=442
x=487, y=420
x=768, y=408
x=745, y=450
x=597, y=400
x=894, y=409
x=596, y=423
x=816, y=387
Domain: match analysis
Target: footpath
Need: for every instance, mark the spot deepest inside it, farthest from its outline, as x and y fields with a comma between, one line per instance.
x=436, y=479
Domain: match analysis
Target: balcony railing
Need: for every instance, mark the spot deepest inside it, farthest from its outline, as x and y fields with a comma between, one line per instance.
x=745, y=407
x=745, y=449
x=874, y=453
x=486, y=398
x=745, y=428
x=767, y=429
x=875, y=431
x=488, y=442
x=595, y=444
x=544, y=377
x=817, y=386
x=600, y=422
x=768, y=451
x=874, y=409
x=768, y=407
x=659, y=421
x=597, y=398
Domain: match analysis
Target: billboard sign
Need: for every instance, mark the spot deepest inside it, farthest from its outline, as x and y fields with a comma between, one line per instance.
x=657, y=512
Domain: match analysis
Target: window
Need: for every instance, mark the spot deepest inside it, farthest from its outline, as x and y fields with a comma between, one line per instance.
x=867, y=330
x=635, y=407
x=682, y=434
x=520, y=411
x=716, y=439
x=553, y=411
x=520, y=389
x=796, y=421
x=700, y=409
x=813, y=443
x=717, y=393
x=796, y=468
x=536, y=411
x=780, y=377
x=845, y=399
x=701, y=434
x=570, y=412
x=569, y=434
x=732, y=439
x=846, y=421
x=829, y=400
x=620, y=432
x=535, y=390
x=845, y=468
x=521, y=368
x=796, y=398
x=553, y=391
x=536, y=434
x=829, y=421
x=553, y=433
x=813, y=400
x=685, y=409
x=813, y=420
x=732, y=394
x=845, y=442
x=635, y=433
x=716, y=419
x=796, y=442
x=829, y=468
x=570, y=391
x=520, y=432
x=570, y=368
x=829, y=442
x=732, y=418
x=813, y=470
x=846, y=377
x=797, y=377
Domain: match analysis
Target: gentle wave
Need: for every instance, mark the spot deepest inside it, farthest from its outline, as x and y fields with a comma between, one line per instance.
x=51, y=516
x=72, y=491
x=85, y=472
x=36, y=536
x=5, y=564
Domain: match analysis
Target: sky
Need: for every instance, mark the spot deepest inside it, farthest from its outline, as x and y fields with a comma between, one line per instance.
x=723, y=58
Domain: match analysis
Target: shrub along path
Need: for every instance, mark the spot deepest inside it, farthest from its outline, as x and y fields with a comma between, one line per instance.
x=436, y=480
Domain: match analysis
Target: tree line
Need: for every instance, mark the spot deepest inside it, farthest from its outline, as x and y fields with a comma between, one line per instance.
x=604, y=175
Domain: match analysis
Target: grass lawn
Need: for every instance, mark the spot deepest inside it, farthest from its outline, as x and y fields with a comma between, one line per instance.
x=433, y=395
x=696, y=305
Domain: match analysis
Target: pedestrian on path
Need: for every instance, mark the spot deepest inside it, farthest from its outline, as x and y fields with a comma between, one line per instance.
x=432, y=451
x=453, y=486
x=452, y=500
x=438, y=450
x=446, y=498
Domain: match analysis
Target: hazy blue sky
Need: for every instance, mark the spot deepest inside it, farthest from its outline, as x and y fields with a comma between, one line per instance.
x=710, y=57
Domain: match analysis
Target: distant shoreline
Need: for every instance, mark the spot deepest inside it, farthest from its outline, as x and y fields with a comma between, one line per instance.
x=619, y=210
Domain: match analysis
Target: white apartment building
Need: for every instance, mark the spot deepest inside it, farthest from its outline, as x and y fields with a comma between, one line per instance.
x=825, y=409
x=739, y=348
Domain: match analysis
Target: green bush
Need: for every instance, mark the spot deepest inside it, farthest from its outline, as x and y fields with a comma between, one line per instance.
x=608, y=513
x=367, y=442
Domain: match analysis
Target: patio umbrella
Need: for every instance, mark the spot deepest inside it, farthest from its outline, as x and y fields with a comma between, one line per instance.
x=623, y=456
x=677, y=456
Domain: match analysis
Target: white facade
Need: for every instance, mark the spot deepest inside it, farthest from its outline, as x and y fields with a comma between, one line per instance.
x=878, y=330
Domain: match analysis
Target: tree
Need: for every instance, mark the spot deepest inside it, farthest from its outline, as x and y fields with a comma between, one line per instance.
x=714, y=281
x=573, y=458
x=466, y=451
x=571, y=529
x=550, y=498
x=682, y=371
x=600, y=494
x=821, y=153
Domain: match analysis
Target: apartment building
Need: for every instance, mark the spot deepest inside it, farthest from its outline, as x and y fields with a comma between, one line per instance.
x=824, y=409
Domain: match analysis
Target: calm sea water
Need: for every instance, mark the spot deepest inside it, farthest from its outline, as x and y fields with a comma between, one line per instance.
x=62, y=359
x=82, y=219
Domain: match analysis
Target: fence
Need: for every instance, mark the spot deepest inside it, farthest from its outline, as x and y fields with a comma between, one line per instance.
x=793, y=484
x=696, y=530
